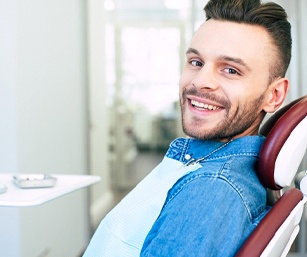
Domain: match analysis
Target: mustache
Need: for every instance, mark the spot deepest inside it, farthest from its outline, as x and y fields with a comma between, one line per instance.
x=206, y=95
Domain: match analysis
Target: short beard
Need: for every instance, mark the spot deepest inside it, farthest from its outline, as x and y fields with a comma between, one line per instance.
x=230, y=127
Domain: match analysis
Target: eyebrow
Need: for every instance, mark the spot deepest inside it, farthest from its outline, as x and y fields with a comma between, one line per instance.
x=223, y=57
x=235, y=60
x=192, y=51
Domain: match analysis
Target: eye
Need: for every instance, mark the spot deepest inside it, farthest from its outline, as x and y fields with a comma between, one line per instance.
x=196, y=63
x=232, y=71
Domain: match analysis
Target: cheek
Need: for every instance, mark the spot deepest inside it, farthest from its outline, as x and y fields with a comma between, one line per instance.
x=186, y=77
x=182, y=84
x=239, y=95
x=183, y=80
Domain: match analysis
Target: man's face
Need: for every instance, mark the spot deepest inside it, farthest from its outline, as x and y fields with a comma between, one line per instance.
x=224, y=82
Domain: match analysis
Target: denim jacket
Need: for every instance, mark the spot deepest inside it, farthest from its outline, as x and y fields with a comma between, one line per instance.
x=187, y=208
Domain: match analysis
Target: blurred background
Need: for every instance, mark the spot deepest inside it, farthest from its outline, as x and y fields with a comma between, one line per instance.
x=91, y=87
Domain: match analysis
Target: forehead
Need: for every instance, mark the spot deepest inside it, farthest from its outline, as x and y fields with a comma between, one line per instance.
x=250, y=43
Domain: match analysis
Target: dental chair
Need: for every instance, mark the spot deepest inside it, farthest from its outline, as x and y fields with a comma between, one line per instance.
x=279, y=160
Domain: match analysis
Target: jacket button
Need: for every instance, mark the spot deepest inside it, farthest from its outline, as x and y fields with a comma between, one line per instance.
x=187, y=157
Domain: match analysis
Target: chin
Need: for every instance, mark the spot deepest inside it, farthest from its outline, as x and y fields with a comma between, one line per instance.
x=205, y=133
x=195, y=133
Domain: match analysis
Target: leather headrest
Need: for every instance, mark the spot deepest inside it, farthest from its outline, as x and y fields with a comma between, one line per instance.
x=285, y=145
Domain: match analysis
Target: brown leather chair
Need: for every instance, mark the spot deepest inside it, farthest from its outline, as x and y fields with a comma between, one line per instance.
x=279, y=160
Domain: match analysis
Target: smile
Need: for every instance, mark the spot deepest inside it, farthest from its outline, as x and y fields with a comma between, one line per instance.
x=202, y=106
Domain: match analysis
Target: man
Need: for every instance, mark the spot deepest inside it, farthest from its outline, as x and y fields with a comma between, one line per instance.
x=204, y=199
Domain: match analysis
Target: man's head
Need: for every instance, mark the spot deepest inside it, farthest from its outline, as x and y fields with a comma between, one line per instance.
x=235, y=69
x=270, y=16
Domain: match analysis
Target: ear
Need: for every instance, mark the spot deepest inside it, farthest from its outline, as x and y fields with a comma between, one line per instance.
x=276, y=94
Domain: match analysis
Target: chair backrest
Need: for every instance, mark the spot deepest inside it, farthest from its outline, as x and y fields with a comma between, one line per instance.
x=280, y=157
x=285, y=145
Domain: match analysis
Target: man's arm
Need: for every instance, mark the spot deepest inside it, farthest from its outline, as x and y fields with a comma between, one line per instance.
x=207, y=217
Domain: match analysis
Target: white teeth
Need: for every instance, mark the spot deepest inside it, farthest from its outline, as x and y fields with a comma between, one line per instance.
x=204, y=106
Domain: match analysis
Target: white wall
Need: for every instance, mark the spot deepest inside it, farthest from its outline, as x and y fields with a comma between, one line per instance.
x=43, y=120
x=101, y=194
x=8, y=81
x=303, y=42
x=298, y=77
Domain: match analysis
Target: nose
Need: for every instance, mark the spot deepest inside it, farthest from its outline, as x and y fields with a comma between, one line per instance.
x=206, y=79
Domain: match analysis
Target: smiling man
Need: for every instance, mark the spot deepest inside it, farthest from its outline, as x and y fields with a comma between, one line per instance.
x=204, y=198
x=226, y=86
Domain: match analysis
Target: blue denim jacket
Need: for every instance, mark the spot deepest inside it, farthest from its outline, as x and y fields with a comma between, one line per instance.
x=202, y=209
x=211, y=211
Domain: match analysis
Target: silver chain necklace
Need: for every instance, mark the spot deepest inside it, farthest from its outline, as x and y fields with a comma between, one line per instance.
x=195, y=161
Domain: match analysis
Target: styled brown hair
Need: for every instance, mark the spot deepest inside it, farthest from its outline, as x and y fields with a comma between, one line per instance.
x=270, y=16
